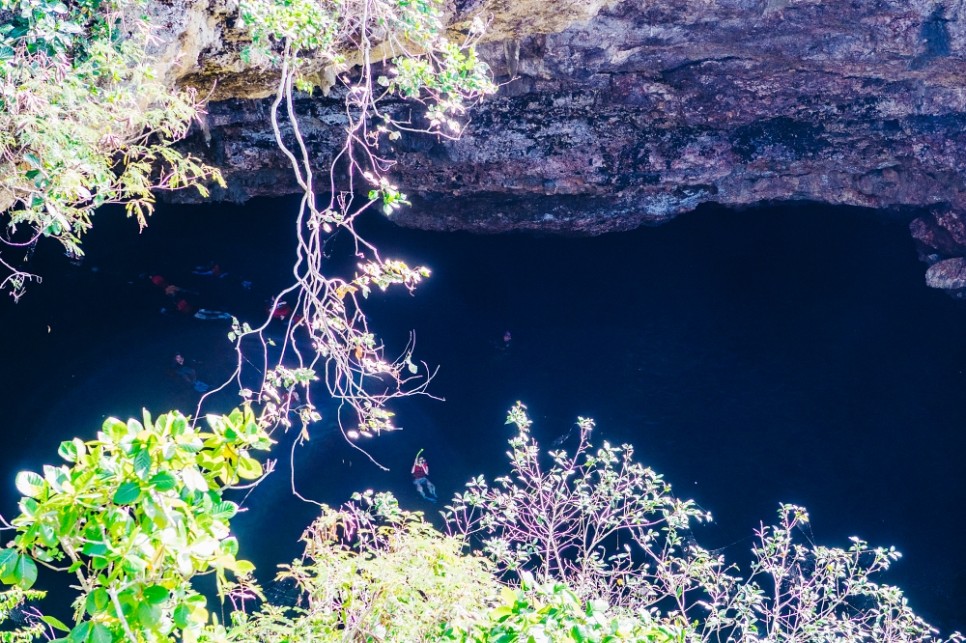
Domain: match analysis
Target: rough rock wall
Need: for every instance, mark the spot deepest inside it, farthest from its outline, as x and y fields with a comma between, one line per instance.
x=617, y=114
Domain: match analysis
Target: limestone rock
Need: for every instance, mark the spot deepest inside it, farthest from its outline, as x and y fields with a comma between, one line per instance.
x=617, y=114
x=949, y=274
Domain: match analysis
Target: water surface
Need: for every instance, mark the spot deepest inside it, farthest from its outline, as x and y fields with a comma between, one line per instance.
x=782, y=354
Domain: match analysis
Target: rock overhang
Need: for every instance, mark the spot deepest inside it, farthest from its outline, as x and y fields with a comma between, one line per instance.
x=616, y=114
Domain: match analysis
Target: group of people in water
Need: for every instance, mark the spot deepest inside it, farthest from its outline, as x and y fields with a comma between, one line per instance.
x=187, y=301
x=181, y=300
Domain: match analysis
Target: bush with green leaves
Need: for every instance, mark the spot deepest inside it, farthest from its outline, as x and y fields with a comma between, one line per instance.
x=85, y=120
x=610, y=528
x=138, y=512
x=553, y=613
x=135, y=514
x=598, y=521
x=374, y=572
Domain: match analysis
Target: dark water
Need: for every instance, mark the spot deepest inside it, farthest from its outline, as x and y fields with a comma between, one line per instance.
x=784, y=354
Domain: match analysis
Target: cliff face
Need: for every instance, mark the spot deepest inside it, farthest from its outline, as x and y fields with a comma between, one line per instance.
x=617, y=114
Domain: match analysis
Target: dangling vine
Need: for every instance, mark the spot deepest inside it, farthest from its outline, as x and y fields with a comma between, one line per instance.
x=373, y=50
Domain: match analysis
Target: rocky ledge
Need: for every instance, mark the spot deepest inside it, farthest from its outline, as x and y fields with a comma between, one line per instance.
x=616, y=114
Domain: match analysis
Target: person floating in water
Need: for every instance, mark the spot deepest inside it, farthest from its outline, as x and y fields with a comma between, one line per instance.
x=188, y=374
x=204, y=313
x=502, y=345
x=212, y=269
x=421, y=479
x=282, y=310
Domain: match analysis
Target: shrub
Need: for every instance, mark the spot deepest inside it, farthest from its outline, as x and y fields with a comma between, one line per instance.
x=373, y=572
x=609, y=528
x=135, y=514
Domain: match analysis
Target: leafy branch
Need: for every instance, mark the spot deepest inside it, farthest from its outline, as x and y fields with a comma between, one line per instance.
x=135, y=514
x=85, y=121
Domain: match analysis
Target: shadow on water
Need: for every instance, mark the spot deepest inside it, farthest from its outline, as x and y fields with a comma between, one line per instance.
x=789, y=353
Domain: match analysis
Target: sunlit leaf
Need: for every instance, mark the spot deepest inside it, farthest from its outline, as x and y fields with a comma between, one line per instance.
x=156, y=594
x=224, y=511
x=55, y=623
x=25, y=571
x=193, y=479
x=97, y=601
x=29, y=483
x=68, y=451
x=149, y=614
x=127, y=493
x=163, y=481
x=8, y=563
x=142, y=463
x=249, y=468
x=182, y=616
x=100, y=634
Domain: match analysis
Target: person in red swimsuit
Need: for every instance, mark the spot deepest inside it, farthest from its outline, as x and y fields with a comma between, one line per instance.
x=421, y=479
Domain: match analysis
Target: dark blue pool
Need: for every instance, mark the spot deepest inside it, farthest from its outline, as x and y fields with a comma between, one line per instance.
x=788, y=353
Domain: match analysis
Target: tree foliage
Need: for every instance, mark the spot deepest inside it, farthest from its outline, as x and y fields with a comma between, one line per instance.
x=135, y=514
x=553, y=612
x=609, y=527
x=575, y=521
x=374, y=572
x=139, y=512
x=85, y=121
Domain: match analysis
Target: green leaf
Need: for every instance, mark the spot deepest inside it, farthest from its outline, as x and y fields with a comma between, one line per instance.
x=249, y=468
x=224, y=511
x=156, y=594
x=29, y=483
x=127, y=493
x=114, y=429
x=55, y=623
x=149, y=614
x=163, y=481
x=229, y=546
x=25, y=571
x=182, y=616
x=244, y=567
x=67, y=522
x=47, y=535
x=80, y=633
x=29, y=507
x=97, y=601
x=179, y=425
x=8, y=561
x=142, y=463
x=68, y=451
x=134, y=563
x=100, y=634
